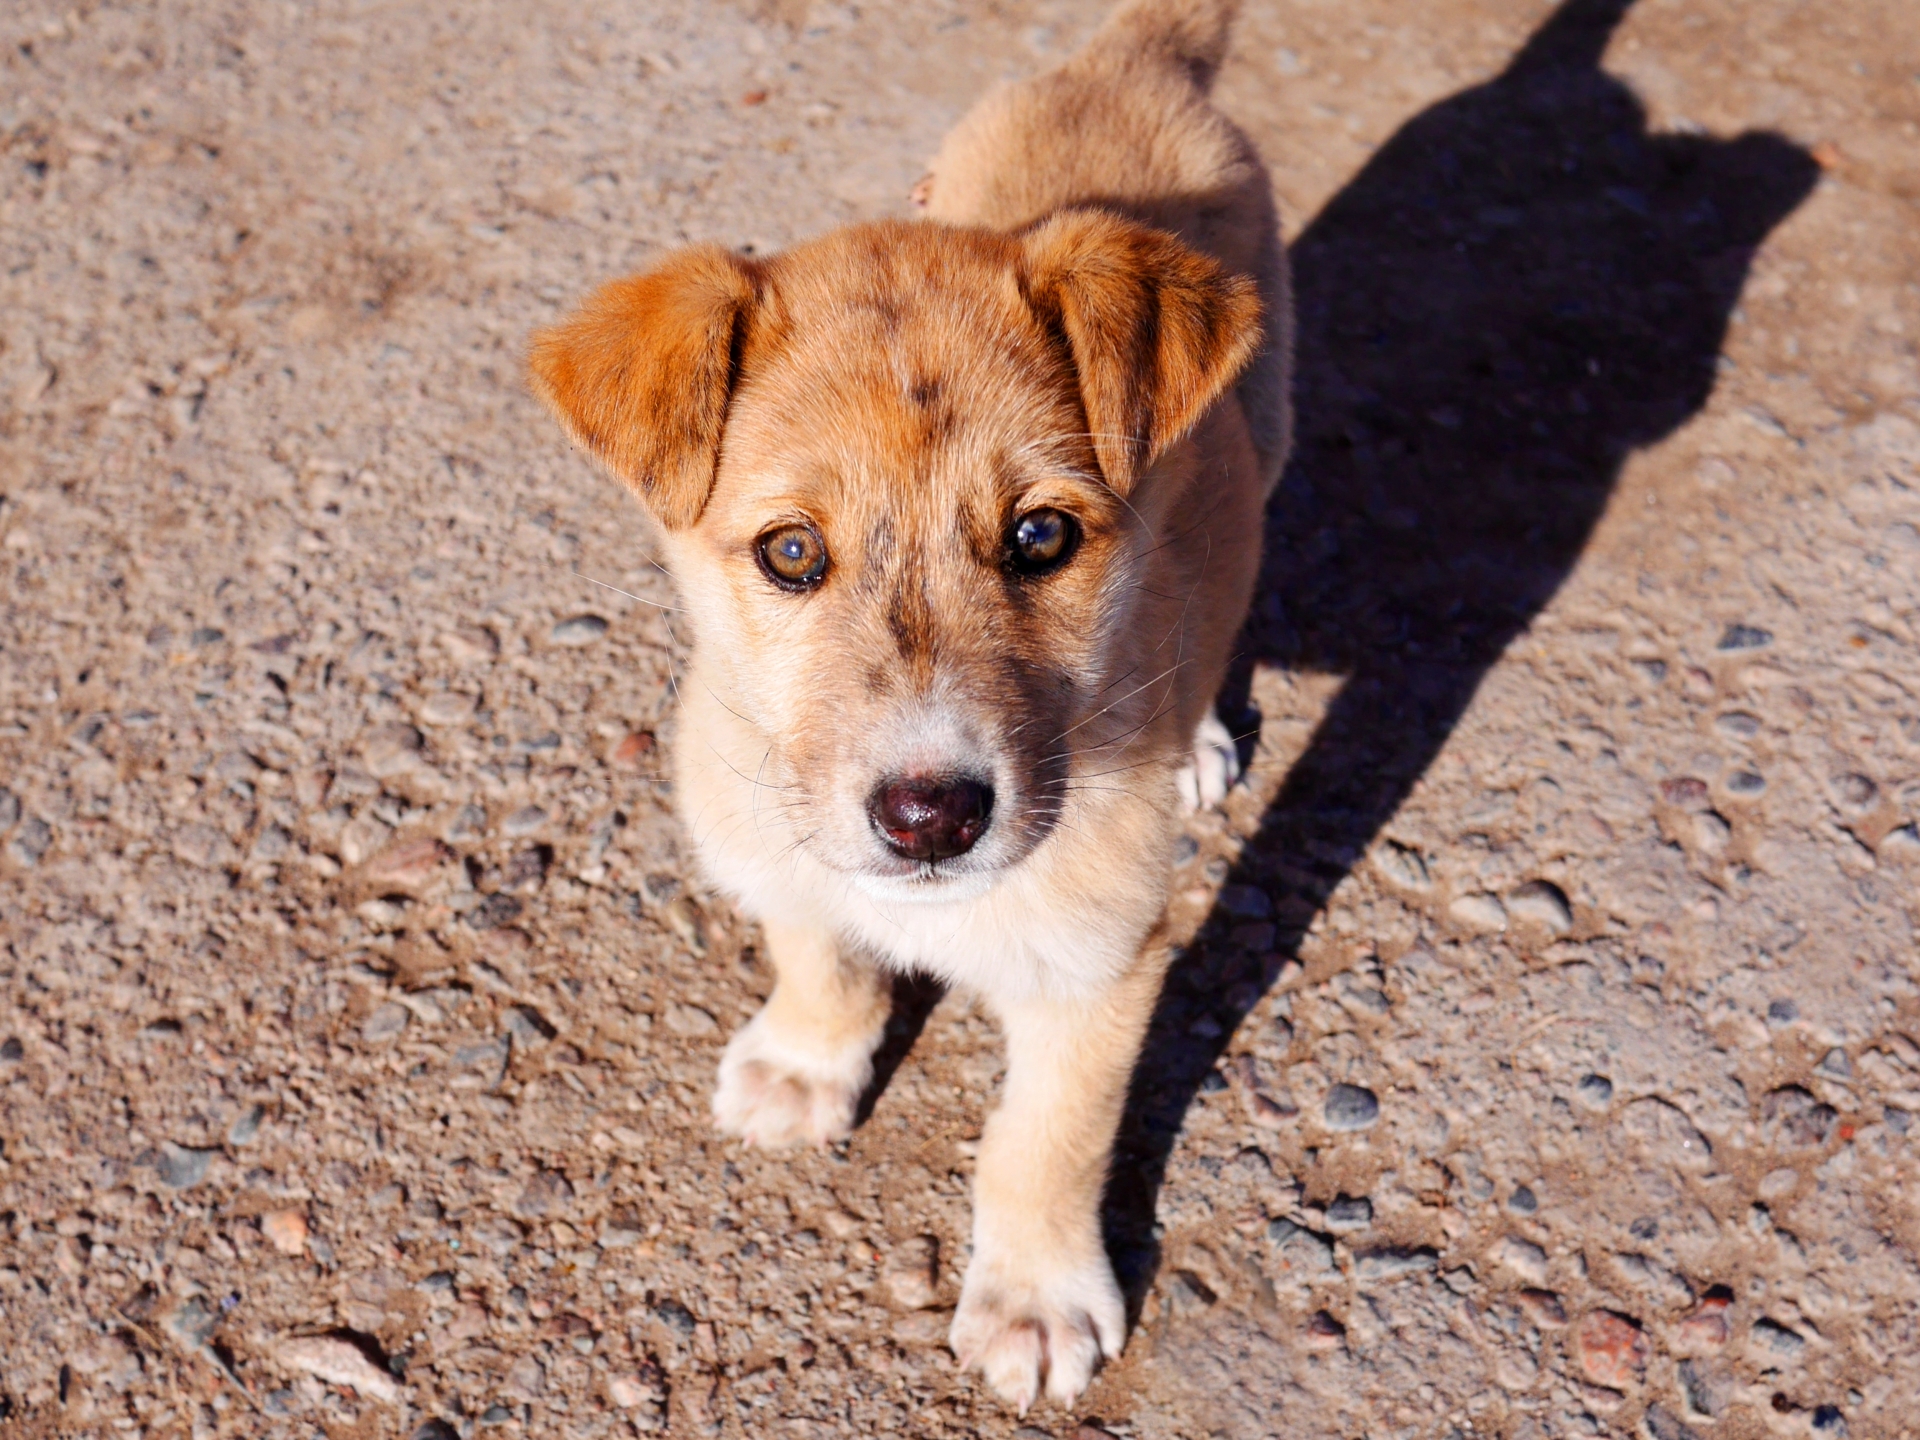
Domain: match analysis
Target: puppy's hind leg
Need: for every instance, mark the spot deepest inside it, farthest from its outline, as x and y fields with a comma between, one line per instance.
x=1213, y=767
x=794, y=1073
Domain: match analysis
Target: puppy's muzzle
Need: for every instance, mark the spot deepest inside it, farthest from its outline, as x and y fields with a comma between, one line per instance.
x=931, y=819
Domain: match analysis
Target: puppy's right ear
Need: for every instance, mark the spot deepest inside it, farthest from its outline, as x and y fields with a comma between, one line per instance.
x=642, y=373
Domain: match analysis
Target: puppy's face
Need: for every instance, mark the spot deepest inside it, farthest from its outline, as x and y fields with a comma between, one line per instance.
x=899, y=472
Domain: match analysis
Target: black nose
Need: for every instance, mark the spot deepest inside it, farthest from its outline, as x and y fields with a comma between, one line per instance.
x=931, y=819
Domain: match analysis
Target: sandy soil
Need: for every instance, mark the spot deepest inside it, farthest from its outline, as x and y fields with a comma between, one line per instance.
x=1546, y=1058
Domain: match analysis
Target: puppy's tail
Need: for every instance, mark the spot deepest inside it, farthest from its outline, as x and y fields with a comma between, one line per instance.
x=1190, y=34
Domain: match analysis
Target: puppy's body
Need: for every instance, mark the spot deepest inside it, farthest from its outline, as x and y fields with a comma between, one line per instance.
x=896, y=402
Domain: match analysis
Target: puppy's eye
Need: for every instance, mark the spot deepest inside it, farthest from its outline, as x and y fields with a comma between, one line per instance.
x=1042, y=540
x=794, y=557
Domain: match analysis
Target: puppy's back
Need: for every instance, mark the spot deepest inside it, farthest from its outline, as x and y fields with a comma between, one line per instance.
x=1126, y=125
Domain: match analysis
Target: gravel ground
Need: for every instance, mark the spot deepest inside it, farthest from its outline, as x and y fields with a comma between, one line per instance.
x=1547, y=1054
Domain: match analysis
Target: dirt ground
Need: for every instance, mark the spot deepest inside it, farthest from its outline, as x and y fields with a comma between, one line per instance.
x=1547, y=1055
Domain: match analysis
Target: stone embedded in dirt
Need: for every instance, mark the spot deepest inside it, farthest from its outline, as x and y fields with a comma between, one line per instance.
x=469, y=823
x=390, y=749
x=1706, y=1387
x=1523, y=1258
x=198, y=845
x=545, y=1194
x=1611, y=1348
x=1514, y=1369
x=246, y=1126
x=1738, y=724
x=340, y=1363
x=9, y=809
x=1350, y=1107
x=1685, y=792
x=1661, y=1423
x=1640, y=1273
x=1836, y=1064
x=1349, y=1213
x=435, y=1429
x=1480, y=913
x=1667, y=1132
x=633, y=749
x=1854, y=793
x=285, y=1230
x=1543, y=1308
x=1394, y=1263
x=1523, y=1201
x=1188, y=1294
x=1402, y=865
x=527, y=1026
x=1791, y=1119
x=526, y=1379
x=527, y=869
x=524, y=821
x=181, y=1167
x=494, y=911
x=1540, y=902
x=1746, y=783
x=1744, y=637
x=1594, y=1091
x=406, y=864
x=579, y=630
x=385, y=1023
x=683, y=917
x=1324, y=1332
x=448, y=707
x=1711, y=832
x=1707, y=1328
x=689, y=1020
x=911, y=1274
x=1829, y=1423
x=1773, y=1339
x=470, y=643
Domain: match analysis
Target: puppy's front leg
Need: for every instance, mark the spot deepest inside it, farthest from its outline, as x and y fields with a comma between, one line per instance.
x=1040, y=1305
x=796, y=1071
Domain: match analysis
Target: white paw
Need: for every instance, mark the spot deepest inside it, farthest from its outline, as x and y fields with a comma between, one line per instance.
x=774, y=1092
x=1205, y=780
x=1026, y=1326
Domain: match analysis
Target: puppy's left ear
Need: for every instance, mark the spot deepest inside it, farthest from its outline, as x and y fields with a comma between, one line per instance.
x=1157, y=329
x=642, y=373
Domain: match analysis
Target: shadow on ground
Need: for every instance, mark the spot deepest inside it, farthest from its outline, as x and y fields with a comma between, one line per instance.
x=1521, y=287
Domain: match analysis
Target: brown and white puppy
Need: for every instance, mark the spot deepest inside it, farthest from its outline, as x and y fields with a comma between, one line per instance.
x=966, y=513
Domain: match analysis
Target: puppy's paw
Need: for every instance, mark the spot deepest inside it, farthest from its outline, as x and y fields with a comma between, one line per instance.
x=1206, y=778
x=776, y=1091
x=1026, y=1327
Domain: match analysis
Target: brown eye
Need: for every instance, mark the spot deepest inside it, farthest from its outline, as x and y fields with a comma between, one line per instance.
x=794, y=557
x=1042, y=540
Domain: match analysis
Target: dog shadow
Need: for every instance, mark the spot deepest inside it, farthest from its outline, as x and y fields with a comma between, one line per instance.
x=1522, y=287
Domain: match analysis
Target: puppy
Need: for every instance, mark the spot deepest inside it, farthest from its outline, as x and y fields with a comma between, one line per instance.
x=966, y=512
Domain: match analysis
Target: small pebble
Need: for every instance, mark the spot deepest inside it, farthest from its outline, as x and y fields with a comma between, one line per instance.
x=527, y=1026
x=1744, y=637
x=1349, y=1213
x=1612, y=1349
x=1523, y=1258
x=1480, y=913
x=1523, y=1201
x=1394, y=1263
x=1745, y=782
x=246, y=1125
x=340, y=1363
x=1351, y=1107
x=911, y=1274
x=1594, y=1091
x=285, y=1230
x=181, y=1168
x=1685, y=792
x=1738, y=724
x=633, y=749
x=1836, y=1064
x=1542, y=903
x=469, y=823
x=1544, y=1309
x=524, y=821
x=1324, y=1332
x=1855, y=793
x=1777, y=1340
x=448, y=707
x=690, y=1020
x=1829, y=1423
x=385, y=1023
x=579, y=630
x=1782, y=1012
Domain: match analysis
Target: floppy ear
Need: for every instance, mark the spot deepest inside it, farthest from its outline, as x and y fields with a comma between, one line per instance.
x=1157, y=329
x=641, y=375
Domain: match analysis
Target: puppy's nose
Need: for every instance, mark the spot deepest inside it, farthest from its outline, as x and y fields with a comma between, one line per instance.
x=931, y=819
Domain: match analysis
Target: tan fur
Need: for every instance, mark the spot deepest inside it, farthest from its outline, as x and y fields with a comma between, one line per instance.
x=1080, y=327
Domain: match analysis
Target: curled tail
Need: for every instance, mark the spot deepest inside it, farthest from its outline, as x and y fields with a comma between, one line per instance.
x=1189, y=33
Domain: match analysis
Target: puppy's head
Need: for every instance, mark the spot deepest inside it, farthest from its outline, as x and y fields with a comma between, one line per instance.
x=905, y=478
